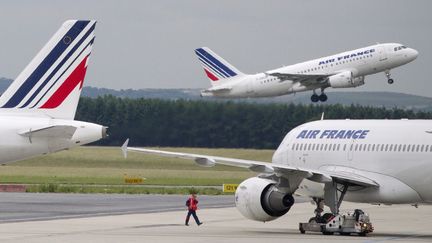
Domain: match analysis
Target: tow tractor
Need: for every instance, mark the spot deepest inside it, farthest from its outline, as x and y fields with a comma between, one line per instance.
x=356, y=222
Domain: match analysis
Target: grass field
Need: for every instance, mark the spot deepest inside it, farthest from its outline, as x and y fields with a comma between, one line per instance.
x=97, y=166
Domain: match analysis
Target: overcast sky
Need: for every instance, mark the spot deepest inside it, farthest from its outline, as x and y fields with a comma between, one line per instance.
x=149, y=44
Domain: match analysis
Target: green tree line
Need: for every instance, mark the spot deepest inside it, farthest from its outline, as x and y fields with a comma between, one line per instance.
x=184, y=123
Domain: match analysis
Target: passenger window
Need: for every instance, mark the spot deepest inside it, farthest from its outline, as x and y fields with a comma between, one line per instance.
x=351, y=147
x=400, y=147
x=301, y=146
x=417, y=148
x=391, y=147
x=368, y=147
x=338, y=147
x=344, y=147
x=404, y=147
x=427, y=148
x=373, y=147
x=356, y=147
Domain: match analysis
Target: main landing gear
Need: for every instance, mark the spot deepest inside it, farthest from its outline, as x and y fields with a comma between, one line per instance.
x=356, y=222
x=322, y=97
x=389, y=79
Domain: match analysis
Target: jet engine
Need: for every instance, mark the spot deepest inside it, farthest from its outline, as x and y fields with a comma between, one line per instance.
x=261, y=200
x=345, y=80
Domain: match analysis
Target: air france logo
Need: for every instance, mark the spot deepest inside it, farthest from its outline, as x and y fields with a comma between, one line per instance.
x=360, y=53
x=333, y=134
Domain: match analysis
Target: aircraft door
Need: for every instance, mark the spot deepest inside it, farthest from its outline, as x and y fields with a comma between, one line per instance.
x=382, y=53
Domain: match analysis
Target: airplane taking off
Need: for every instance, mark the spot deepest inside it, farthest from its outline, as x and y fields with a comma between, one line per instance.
x=366, y=161
x=344, y=70
x=37, y=110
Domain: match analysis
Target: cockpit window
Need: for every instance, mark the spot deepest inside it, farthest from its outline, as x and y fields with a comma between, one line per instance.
x=399, y=48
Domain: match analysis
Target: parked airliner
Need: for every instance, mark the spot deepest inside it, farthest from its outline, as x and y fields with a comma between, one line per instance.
x=344, y=70
x=37, y=110
x=366, y=161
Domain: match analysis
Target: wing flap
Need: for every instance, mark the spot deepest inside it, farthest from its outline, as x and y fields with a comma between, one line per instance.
x=266, y=167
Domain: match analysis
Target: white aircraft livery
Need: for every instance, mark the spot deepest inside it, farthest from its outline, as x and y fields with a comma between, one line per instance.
x=343, y=70
x=366, y=161
x=38, y=108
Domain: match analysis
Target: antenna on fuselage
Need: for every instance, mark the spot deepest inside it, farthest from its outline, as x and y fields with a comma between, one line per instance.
x=322, y=116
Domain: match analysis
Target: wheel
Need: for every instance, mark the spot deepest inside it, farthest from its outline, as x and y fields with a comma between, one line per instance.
x=323, y=97
x=362, y=234
x=390, y=81
x=302, y=229
x=314, y=98
x=345, y=233
x=326, y=217
x=313, y=220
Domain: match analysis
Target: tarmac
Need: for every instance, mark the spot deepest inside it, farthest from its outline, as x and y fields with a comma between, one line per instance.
x=397, y=223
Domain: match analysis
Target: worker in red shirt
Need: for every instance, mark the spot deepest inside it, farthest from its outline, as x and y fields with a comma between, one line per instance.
x=192, y=204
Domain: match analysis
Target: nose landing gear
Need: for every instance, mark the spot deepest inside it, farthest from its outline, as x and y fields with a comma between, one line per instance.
x=389, y=79
x=356, y=222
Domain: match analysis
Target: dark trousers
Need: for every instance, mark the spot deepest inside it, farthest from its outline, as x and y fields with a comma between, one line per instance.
x=193, y=213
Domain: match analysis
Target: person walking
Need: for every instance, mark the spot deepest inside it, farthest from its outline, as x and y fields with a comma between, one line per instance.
x=192, y=204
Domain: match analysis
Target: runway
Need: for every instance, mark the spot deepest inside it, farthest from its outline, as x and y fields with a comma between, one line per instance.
x=400, y=223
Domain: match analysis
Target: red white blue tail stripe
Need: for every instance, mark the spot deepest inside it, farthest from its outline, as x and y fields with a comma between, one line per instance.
x=215, y=67
x=57, y=70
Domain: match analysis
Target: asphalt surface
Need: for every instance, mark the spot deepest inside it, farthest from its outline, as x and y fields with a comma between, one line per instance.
x=397, y=223
x=18, y=207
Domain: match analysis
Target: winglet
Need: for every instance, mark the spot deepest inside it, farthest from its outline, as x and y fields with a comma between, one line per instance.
x=124, y=148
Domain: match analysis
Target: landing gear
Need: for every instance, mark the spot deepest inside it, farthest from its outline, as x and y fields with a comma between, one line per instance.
x=329, y=223
x=389, y=79
x=322, y=97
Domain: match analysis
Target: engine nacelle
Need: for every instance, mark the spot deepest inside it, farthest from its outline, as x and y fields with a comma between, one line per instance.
x=260, y=199
x=345, y=80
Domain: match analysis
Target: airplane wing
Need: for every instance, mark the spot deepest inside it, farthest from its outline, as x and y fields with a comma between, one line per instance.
x=59, y=131
x=305, y=79
x=261, y=167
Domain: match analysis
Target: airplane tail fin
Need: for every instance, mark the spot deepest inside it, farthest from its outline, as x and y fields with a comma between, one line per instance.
x=216, y=68
x=51, y=83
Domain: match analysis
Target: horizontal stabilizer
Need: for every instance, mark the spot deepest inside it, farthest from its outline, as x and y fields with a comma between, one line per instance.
x=59, y=131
